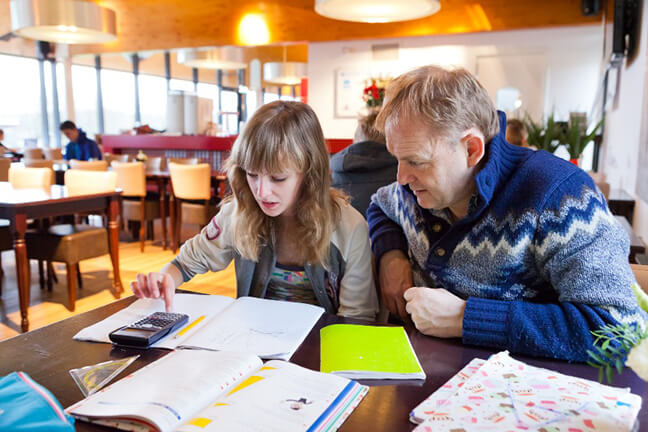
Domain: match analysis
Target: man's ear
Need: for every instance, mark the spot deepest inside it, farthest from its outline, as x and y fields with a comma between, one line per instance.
x=475, y=145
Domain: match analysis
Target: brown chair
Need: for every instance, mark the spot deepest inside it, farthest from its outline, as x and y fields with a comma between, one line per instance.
x=641, y=274
x=72, y=243
x=100, y=165
x=191, y=186
x=600, y=180
x=5, y=164
x=33, y=153
x=38, y=163
x=25, y=178
x=53, y=154
x=131, y=178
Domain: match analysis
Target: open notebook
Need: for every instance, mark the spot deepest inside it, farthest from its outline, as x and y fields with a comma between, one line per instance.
x=502, y=393
x=198, y=390
x=270, y=329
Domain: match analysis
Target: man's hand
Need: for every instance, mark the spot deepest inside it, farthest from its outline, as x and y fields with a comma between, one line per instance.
x=436, y=311
x=395, y=277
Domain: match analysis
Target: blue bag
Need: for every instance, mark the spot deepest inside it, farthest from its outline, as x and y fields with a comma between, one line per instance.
x=25, y=405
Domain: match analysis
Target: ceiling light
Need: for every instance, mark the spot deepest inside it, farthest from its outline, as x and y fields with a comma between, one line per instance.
x=63, y=21
x=284, y=73
x=376, y=11
x=227, y=57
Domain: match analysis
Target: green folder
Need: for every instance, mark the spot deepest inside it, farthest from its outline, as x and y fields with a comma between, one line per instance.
x=368, y=352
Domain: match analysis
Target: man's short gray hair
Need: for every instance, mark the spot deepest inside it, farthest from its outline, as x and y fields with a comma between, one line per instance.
x=448, y=101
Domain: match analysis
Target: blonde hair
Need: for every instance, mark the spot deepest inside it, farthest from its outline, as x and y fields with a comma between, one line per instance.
x=448, y=101
x=284, y=135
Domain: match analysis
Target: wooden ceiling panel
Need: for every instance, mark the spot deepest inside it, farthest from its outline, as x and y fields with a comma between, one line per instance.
x=167, y=24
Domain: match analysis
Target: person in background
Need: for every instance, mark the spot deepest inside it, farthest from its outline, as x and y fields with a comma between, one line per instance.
x=80, y=146
x=516, y=133
x=365, y=165
x=4, y=148
x=292, y=237
x=479, y=239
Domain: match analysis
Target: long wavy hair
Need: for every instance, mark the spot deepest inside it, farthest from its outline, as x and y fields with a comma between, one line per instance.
x=284, y=135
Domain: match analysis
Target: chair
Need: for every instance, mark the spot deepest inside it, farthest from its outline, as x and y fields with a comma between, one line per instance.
x=53, y=154
x=110, y=158
x=101, y=165
x=154, y=164
x=600, y=180
x=183, y=161
x=72, y=243
x=38, y=163
x=131, y=178
x=641, y=274
x=24, y=178
x=6, y=243
x=191, y=186
x=5, y=164
x=33, y=153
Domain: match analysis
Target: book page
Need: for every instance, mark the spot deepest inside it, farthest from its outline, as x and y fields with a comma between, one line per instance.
x=270, y=329
x=281, y=397
x=171, y=390
x=194, y=305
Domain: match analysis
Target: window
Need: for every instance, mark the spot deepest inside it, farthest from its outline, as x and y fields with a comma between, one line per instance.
x=84, y=88
x=153, y=99
x=20, y=116
x=62, y=101
x=210, y=91
x=184, y=85
x=229, y=111
x=118, y=93
x=270, y=97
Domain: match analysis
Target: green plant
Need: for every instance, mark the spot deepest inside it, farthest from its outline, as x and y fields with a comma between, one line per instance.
x=542, y=137
x=574, y=140
x=612, y=344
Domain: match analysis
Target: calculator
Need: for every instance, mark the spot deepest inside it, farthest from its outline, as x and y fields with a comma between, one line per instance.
x=148, y=330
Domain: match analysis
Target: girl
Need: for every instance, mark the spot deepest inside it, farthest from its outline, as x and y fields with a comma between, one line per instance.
x=291, y=236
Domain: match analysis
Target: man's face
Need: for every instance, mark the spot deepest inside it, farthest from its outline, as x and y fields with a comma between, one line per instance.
x=71, y=134
x=438, y=172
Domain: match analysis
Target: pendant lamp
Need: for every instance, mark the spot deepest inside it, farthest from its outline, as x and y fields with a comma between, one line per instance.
x=285, y=72
x=376, y=11
x=63, y=21
x=226, y=57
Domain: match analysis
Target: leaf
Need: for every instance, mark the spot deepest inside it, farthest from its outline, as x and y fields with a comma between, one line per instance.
x=619, y=365
x=608, y=373
x=600, y=374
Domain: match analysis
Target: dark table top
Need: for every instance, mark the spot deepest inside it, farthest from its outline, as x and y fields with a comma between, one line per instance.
x=48, y=353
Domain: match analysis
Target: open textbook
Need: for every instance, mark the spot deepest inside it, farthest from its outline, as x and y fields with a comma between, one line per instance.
x=270, y=329
x=200, y=390
x=502, y=393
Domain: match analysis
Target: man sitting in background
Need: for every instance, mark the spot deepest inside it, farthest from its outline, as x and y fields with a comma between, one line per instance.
x=365, y=165
x=483, y=240
x=80, y=146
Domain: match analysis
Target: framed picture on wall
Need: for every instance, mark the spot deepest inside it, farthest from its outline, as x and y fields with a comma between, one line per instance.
x=349, y=85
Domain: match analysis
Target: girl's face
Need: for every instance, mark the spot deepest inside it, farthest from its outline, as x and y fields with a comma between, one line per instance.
x=276, y=193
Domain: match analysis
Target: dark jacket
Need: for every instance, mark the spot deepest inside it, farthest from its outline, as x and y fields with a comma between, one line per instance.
x=83, y=149
x=361, y=169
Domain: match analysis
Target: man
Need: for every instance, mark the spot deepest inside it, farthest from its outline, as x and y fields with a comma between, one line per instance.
x=80, y=146
x=520, y=245
x=365, y=165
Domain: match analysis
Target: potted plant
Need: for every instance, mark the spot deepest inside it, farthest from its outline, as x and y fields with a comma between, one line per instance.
x=574, y=138
x=542, y=137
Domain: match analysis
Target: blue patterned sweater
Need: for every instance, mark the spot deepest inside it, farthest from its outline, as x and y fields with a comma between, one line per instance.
x=539, y=258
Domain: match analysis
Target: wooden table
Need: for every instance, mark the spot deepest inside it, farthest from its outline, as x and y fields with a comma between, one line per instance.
x=621, y=203
x=18, y=205
x=48, y=353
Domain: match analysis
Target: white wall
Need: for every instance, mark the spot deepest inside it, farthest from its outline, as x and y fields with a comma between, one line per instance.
x=573, y=57
x=626, y=131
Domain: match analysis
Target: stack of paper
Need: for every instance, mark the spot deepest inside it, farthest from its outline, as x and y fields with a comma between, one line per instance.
x=503, y=394
x=368, y=352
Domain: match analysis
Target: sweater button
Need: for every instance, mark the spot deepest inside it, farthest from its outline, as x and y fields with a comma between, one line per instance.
x=440, y=252
x=436, y=227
